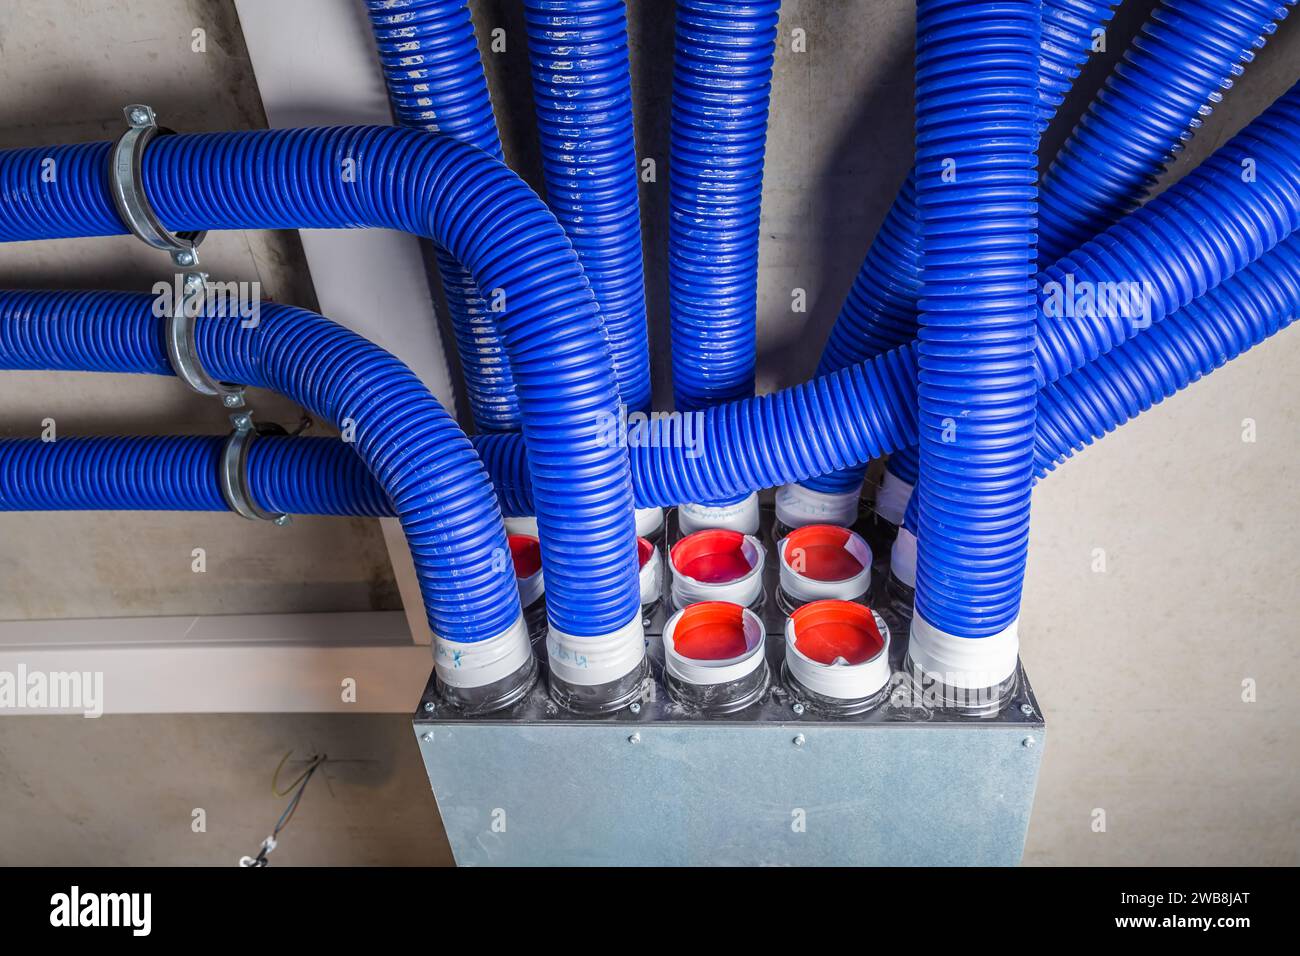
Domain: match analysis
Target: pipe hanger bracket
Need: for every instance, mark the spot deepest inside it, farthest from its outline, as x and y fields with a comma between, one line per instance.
x=234, y=470
x=126, y=180
x=182, y=348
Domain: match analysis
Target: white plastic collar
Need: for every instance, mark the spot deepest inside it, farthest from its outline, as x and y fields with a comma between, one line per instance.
x=966, y=662
x=741, y=516
x=693, y=671
x=524, y=525
x=839, y=680
x=902, y=557
x=801, y=587
x=599, y=659
x=648, y=521
x=744, y=591
x=651, y=578
x=531, y=588
x=477, y=663
x=892, y=498
x=797, y=506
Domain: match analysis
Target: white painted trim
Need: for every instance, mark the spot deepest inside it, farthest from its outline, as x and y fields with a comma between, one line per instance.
x=326, y=628
x=253, y=663
x=234, y=663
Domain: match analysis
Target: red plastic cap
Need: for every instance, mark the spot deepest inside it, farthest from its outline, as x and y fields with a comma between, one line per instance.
x=711, y=631
x=827, y=630
x=714, y=556
x=526, y=553
x=818, y=551
x=644, y=551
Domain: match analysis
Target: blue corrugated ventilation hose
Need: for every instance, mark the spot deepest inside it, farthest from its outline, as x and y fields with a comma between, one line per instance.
x=1186, y=53
x=480, y=212
x=976, y=196
x=421, y=458
x=1197, y=234
x=313, y=476
x=722, y=81
x=1214, y=258
x=324, y=476
x=582, y=89
x=435, y=81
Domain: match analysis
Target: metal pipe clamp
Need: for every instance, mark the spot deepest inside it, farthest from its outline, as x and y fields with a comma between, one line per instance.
x=234, y=472
x=182, y=349
x=126, y=179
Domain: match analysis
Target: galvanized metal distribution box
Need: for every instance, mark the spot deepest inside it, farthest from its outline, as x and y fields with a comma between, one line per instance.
x=909, y=783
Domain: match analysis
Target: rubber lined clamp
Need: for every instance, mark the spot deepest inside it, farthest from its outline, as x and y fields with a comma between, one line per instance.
x=182, y=349
x=234, y=470
x=127, y=182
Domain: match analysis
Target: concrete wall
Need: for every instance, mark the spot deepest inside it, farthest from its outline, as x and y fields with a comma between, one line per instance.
x=1140, y=666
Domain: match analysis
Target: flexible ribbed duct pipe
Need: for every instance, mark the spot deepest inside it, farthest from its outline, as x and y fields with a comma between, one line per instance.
x=1182, y=243
x=442, y=189
x=976, y=176
x=1198, y=233
x=1172, y=74
x=880, y=311
x=485, y=215
x=1258, y=302
x=582, y=89
x=435, y=81
x=324, y=476
x=310, y=476
x=1261, y=300
x=722, y=76
x=1187, y=51
x=1243, y=311
x=420, y=457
